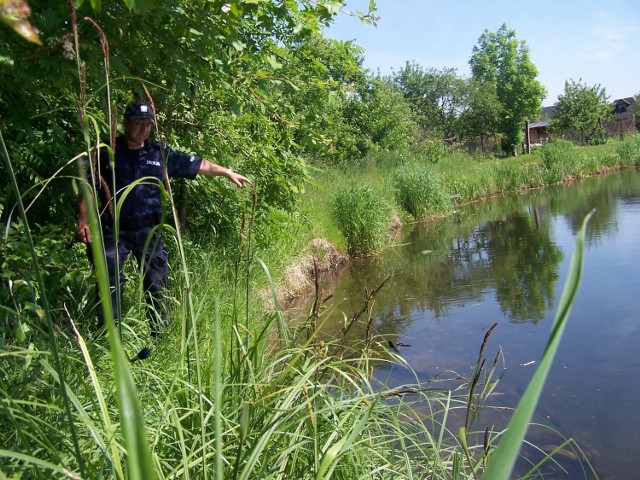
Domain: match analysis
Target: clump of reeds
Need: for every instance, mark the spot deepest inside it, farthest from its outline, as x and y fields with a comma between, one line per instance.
x=558, y=160
x=629, y=152
x=362, y=214
x=418, y=191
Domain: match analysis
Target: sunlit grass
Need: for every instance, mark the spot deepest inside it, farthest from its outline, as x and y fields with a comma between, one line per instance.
x=418, y=191
x=362, y=215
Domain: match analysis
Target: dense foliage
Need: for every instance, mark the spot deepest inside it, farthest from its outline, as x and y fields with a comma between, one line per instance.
x=218, y=73
x=436, y=97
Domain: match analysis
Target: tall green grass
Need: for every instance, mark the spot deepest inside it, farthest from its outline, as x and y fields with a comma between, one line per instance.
x=417, y=190
x=362, y=214
x=629, y=152
x=284, y=410
x=559, y=160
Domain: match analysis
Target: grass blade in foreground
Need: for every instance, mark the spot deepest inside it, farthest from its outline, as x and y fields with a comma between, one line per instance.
x=502, y=461
x=139, y=461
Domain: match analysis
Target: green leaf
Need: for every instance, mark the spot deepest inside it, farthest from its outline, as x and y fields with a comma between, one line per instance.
x=140, y=6
x=333, y=8
x=271, y=59
x=21, y=331
x=238, y=45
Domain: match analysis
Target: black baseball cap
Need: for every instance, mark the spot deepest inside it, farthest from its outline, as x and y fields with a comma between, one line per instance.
x=139, y=111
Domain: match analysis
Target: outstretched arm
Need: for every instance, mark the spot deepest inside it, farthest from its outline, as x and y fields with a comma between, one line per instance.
x=210, y=169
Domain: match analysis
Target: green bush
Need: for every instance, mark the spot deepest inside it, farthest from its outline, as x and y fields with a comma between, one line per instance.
x=417, y=190
x=362, y=215
x=599, y=140
x=434, y=149
x=557, y=159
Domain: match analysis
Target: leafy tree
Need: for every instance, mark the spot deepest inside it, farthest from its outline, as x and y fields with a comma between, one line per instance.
x=435, y=97
x=329, y=72
x=481, y=113
x=502, y=62
x=581, y=109
x=379, y=117
x=347, y=112
x=388, y=120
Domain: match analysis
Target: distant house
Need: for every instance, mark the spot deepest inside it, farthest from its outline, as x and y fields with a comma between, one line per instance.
x=538, y=129
x=624, y=121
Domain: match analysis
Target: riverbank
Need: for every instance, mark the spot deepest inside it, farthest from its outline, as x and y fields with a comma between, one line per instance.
x=459, y=177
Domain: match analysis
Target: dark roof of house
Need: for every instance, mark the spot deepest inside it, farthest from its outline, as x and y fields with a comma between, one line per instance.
x=548, y=113
x=627, y=100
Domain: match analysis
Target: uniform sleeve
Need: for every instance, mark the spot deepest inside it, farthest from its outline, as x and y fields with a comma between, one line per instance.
x=182, y=165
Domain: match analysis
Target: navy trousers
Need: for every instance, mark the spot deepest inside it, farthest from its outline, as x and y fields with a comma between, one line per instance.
x=154, y=263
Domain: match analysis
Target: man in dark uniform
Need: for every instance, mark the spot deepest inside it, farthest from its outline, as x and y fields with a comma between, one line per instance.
x=136, y=157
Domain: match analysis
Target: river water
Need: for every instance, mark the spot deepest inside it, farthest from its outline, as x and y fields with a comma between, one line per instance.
x=505, y=260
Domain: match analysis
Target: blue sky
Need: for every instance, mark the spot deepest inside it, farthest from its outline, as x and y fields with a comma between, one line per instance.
x=596, y=41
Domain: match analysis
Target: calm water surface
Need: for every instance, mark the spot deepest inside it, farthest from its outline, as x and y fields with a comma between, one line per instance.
x=505, y=261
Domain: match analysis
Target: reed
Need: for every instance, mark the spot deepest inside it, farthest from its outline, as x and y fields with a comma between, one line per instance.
x=417, y=190
x=558, y=160
x=362, y=215
x=629, y=152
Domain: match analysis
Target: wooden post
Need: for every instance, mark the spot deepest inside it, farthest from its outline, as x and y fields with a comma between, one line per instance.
x=527, y=138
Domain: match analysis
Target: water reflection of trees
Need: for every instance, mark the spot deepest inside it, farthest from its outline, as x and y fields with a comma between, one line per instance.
x=501, y=247
x=601, y=193
x=511, y=255
x=523, y=264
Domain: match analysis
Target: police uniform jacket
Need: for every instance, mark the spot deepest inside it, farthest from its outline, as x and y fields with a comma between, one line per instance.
x=142, y=205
